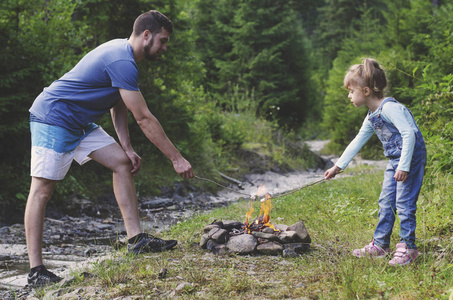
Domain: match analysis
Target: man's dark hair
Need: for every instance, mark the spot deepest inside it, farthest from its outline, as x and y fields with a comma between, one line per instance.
x=152, y=20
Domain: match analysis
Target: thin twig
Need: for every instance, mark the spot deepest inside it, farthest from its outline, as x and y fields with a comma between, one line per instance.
x=225, y=187
x=250, y=196
x=298, y=189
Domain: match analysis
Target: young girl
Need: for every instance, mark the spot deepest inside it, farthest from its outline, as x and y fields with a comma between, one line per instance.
x=405, y=148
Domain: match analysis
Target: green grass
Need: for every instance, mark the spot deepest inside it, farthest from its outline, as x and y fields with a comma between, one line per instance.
x=340, y=215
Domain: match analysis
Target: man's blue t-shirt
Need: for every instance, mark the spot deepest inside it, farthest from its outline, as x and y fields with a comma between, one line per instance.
x=90, y=89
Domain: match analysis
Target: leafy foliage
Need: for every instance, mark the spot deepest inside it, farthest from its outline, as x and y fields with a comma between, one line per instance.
x=231, y=65
x=28, y=63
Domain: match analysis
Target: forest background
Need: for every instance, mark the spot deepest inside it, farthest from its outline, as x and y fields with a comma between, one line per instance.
x=238, y=73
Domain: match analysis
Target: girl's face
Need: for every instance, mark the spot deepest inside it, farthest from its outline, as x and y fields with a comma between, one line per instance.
x=358, y=96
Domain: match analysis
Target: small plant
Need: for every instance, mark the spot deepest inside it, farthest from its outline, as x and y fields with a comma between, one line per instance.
x=114, y=270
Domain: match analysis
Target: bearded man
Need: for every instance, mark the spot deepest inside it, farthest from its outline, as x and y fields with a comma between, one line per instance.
x=62, y=129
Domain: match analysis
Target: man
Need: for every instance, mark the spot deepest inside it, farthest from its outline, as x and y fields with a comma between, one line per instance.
x=62, y=128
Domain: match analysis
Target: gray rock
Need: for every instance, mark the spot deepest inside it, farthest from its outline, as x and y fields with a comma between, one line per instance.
x=204, y=241
x=297, y=247
x=242, y=244
x=15, y=227
x=220, y=236
x=208, y=228
x=100, y=226
x=163, y=273
x=219, y=250
x=268, y=230
x=4, y=257
x=281, y=227
x=289, y=253
x=4, y=230
x=211, y=245
x=301, y=232
x=155, y=203
x=213, y=231
x=287, y=236
x=270, y=248
x=53, y=294
x=230, y=225
x=218, y=223
x=266, y=236
x=90, y=252
x=183, y=286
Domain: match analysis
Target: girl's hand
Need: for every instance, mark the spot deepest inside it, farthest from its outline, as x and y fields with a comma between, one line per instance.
x=400, y=176
x=331, y=172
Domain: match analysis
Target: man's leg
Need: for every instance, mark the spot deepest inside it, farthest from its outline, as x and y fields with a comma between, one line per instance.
x=40, y=192
x=114, y=158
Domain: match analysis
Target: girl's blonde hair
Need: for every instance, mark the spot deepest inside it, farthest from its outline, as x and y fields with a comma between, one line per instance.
x=367, y=74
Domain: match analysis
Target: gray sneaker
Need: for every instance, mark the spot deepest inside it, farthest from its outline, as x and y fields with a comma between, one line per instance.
x=149, y=243
x=42, y=277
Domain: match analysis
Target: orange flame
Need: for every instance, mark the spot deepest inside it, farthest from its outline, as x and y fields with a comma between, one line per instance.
x=248, y=215
x=265, y=209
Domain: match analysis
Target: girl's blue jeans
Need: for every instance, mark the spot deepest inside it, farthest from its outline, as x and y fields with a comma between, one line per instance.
x=400, y=198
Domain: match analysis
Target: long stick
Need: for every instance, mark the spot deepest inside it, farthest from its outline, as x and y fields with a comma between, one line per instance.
x=301, y=188
x=225, y=187
x=248, y=195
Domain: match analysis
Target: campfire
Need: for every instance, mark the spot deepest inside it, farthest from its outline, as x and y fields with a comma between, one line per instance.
x=257, y=235
x=263, y=220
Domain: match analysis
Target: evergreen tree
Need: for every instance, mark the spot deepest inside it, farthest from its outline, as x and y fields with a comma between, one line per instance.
x=338, y=21
x=341, y=118
x=263, y=48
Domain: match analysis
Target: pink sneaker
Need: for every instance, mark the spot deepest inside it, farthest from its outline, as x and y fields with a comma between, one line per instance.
x=371, y=250
x=403, y=256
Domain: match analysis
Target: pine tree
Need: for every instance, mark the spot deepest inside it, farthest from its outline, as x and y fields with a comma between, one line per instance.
x=259, y=46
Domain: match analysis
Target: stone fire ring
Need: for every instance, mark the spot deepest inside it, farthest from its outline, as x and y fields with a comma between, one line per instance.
x=229, y=237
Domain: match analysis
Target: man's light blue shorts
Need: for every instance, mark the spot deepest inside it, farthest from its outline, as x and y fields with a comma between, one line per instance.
x=53, y=148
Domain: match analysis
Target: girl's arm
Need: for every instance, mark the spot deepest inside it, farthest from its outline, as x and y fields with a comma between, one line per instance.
x=365, y=133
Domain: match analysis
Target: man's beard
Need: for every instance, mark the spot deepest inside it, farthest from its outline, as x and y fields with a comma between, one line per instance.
x=148, y=56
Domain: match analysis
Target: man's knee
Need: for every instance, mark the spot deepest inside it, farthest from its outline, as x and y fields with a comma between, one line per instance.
x=112, y=157
x=121, y=164
x=41, y=189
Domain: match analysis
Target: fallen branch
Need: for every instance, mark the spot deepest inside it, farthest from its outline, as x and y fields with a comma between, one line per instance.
x=237, y=182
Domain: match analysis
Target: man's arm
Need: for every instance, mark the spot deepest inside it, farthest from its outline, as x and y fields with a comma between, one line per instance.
x=152, y=129
x=119, y=118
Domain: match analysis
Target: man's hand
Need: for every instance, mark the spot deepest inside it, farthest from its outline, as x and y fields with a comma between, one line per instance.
x=136, y=161
x=183, y=168
x=400, y=175
x=332, y=172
